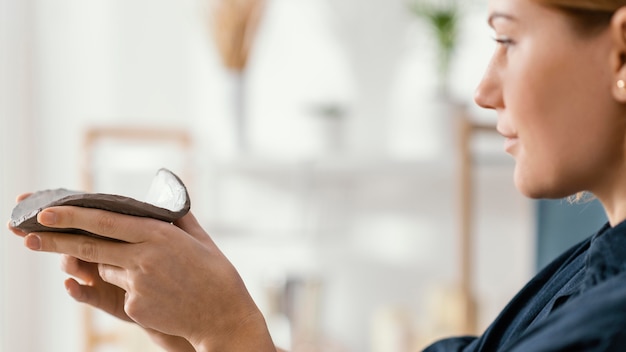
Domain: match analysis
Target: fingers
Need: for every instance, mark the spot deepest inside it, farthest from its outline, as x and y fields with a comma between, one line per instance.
x=189, y=224
x=104, y=223
x=114, y=275
x=88, y=249
x=80, y=293
x=84, y=271
x=105, y=299
x=16, y=230
x=22, y=196
x=94, y=290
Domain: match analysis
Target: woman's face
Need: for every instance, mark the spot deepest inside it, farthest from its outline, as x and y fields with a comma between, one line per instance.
x=552, y=90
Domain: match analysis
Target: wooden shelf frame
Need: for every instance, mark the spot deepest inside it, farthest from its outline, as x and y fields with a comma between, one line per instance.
x=467, y=131
x=94, y=337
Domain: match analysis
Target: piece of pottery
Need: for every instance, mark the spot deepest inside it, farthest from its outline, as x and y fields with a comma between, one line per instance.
x=167, y=200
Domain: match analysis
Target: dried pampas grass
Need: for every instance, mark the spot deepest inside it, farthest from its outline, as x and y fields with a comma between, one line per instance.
x=233, y=24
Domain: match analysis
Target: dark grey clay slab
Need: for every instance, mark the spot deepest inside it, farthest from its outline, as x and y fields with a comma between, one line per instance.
x=167, y=200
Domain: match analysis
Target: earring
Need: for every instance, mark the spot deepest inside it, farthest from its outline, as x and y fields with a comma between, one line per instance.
x=621, y=84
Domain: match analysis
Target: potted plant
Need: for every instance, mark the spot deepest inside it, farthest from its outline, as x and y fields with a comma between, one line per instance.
x=443, y=17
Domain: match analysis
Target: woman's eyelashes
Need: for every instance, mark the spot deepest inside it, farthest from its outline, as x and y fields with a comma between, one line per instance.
x=503, y=41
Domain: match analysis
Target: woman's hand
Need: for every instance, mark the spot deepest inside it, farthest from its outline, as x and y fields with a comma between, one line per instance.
x=105, y=296
x=173, y=278
x=110, y=299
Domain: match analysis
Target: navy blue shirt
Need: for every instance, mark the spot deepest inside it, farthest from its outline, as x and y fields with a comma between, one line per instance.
x=576, y=303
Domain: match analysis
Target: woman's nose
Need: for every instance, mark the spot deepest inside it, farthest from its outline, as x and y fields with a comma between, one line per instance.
x=488, y=94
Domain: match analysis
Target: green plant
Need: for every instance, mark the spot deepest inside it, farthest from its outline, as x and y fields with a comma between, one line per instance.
x=443, y=17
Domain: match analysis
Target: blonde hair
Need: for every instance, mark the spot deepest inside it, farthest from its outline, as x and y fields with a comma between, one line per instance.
x=586, y=5
x=588, y=17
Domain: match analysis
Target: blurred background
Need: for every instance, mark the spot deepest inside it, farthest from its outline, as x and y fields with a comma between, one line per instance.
x=330, y=147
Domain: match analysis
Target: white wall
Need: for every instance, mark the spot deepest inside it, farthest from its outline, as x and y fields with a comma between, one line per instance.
x=71, y=64
x=21, y=271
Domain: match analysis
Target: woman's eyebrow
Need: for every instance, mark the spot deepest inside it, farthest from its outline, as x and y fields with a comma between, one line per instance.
x=497, y=15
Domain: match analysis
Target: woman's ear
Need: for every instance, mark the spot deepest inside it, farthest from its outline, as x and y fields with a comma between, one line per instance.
x=618, y=54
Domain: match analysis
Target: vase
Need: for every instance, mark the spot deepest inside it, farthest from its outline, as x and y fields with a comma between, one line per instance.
x=239, y=121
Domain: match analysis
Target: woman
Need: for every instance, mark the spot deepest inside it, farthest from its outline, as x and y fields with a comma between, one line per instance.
x=557, y=80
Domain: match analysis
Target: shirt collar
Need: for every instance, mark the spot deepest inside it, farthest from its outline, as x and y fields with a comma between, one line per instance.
x=606, y=256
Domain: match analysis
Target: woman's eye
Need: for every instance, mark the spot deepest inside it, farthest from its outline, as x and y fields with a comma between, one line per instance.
x=504, y=41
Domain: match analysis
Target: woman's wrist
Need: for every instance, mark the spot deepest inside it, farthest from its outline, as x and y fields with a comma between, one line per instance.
x=251, y=334
x=170, y=343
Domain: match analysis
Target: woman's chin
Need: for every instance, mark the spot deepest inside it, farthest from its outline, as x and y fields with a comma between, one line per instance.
x=530, y=193
x=542, y=191
x=539, y=188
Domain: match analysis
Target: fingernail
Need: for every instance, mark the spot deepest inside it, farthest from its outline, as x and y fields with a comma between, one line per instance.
x=47, y=218
x=33, y=242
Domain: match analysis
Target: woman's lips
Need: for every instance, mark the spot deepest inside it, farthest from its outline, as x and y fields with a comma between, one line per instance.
x=509, y=144
x=511, y=138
